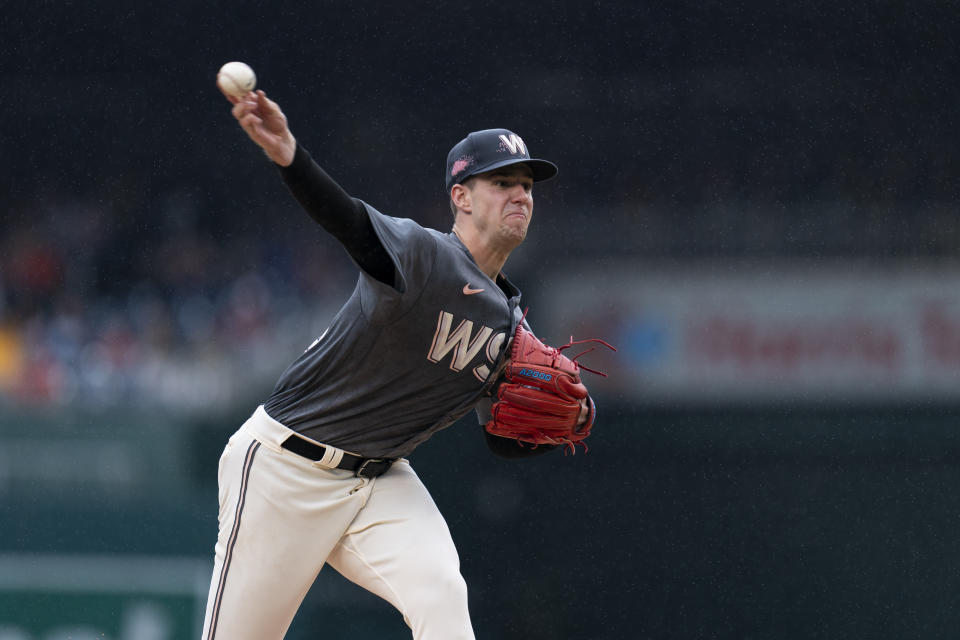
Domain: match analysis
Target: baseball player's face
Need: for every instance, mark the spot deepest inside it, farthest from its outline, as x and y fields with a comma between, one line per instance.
x=502, y=203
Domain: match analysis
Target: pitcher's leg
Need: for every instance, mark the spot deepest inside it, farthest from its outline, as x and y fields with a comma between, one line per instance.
x=279, y=518
x=399, y=547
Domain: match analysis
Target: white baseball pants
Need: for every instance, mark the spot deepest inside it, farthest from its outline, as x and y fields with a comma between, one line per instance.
x=283, y=516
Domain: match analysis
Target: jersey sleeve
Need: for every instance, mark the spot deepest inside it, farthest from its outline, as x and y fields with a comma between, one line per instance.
x=412, y=249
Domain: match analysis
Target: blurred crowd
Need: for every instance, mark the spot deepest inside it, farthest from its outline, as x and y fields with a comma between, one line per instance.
x=94, y=313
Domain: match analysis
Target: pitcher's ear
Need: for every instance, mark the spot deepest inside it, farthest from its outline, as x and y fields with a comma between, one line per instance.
x=460, y=196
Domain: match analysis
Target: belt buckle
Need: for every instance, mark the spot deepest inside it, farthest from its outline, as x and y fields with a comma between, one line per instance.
x=373, y=467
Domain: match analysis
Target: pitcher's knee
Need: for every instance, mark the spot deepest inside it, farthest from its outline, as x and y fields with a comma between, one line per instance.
x=438, y=596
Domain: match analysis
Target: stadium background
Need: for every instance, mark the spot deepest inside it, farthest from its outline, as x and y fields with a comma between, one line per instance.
x=757, y=204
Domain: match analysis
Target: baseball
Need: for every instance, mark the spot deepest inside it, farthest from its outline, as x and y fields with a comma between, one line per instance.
x=236, y=79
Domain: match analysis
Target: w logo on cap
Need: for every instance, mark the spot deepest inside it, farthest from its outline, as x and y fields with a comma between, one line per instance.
x=514, y=143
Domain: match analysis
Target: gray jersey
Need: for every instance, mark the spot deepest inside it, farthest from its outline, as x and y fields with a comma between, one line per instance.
x=398, y=364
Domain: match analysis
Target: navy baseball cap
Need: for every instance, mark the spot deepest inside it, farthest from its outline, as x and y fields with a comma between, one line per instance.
x=490, y=149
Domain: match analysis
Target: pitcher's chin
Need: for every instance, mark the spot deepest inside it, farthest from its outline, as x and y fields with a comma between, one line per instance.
x=515, y=232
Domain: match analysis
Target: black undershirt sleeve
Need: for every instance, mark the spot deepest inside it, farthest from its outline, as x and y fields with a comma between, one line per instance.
x=342, y=216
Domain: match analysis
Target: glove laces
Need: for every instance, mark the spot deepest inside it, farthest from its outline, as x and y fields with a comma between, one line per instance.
x=585, y=341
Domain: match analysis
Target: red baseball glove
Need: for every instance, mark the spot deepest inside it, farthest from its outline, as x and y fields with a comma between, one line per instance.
x=539, y=400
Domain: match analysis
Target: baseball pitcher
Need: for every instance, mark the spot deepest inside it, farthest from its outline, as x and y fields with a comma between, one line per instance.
x=319, y=473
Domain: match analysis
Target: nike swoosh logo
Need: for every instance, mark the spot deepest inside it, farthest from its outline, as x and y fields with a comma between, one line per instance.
x=467, y=291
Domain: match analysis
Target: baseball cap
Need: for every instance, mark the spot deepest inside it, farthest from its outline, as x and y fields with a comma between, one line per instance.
x=490, y=149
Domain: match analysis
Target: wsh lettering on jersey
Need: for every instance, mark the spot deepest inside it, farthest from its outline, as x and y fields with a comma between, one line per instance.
x=464, y=345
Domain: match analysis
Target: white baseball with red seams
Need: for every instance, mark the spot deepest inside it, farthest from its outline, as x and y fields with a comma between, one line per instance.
x=236, y=78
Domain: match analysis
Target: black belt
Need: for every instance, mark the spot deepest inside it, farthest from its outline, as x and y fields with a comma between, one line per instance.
x=361, y=467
